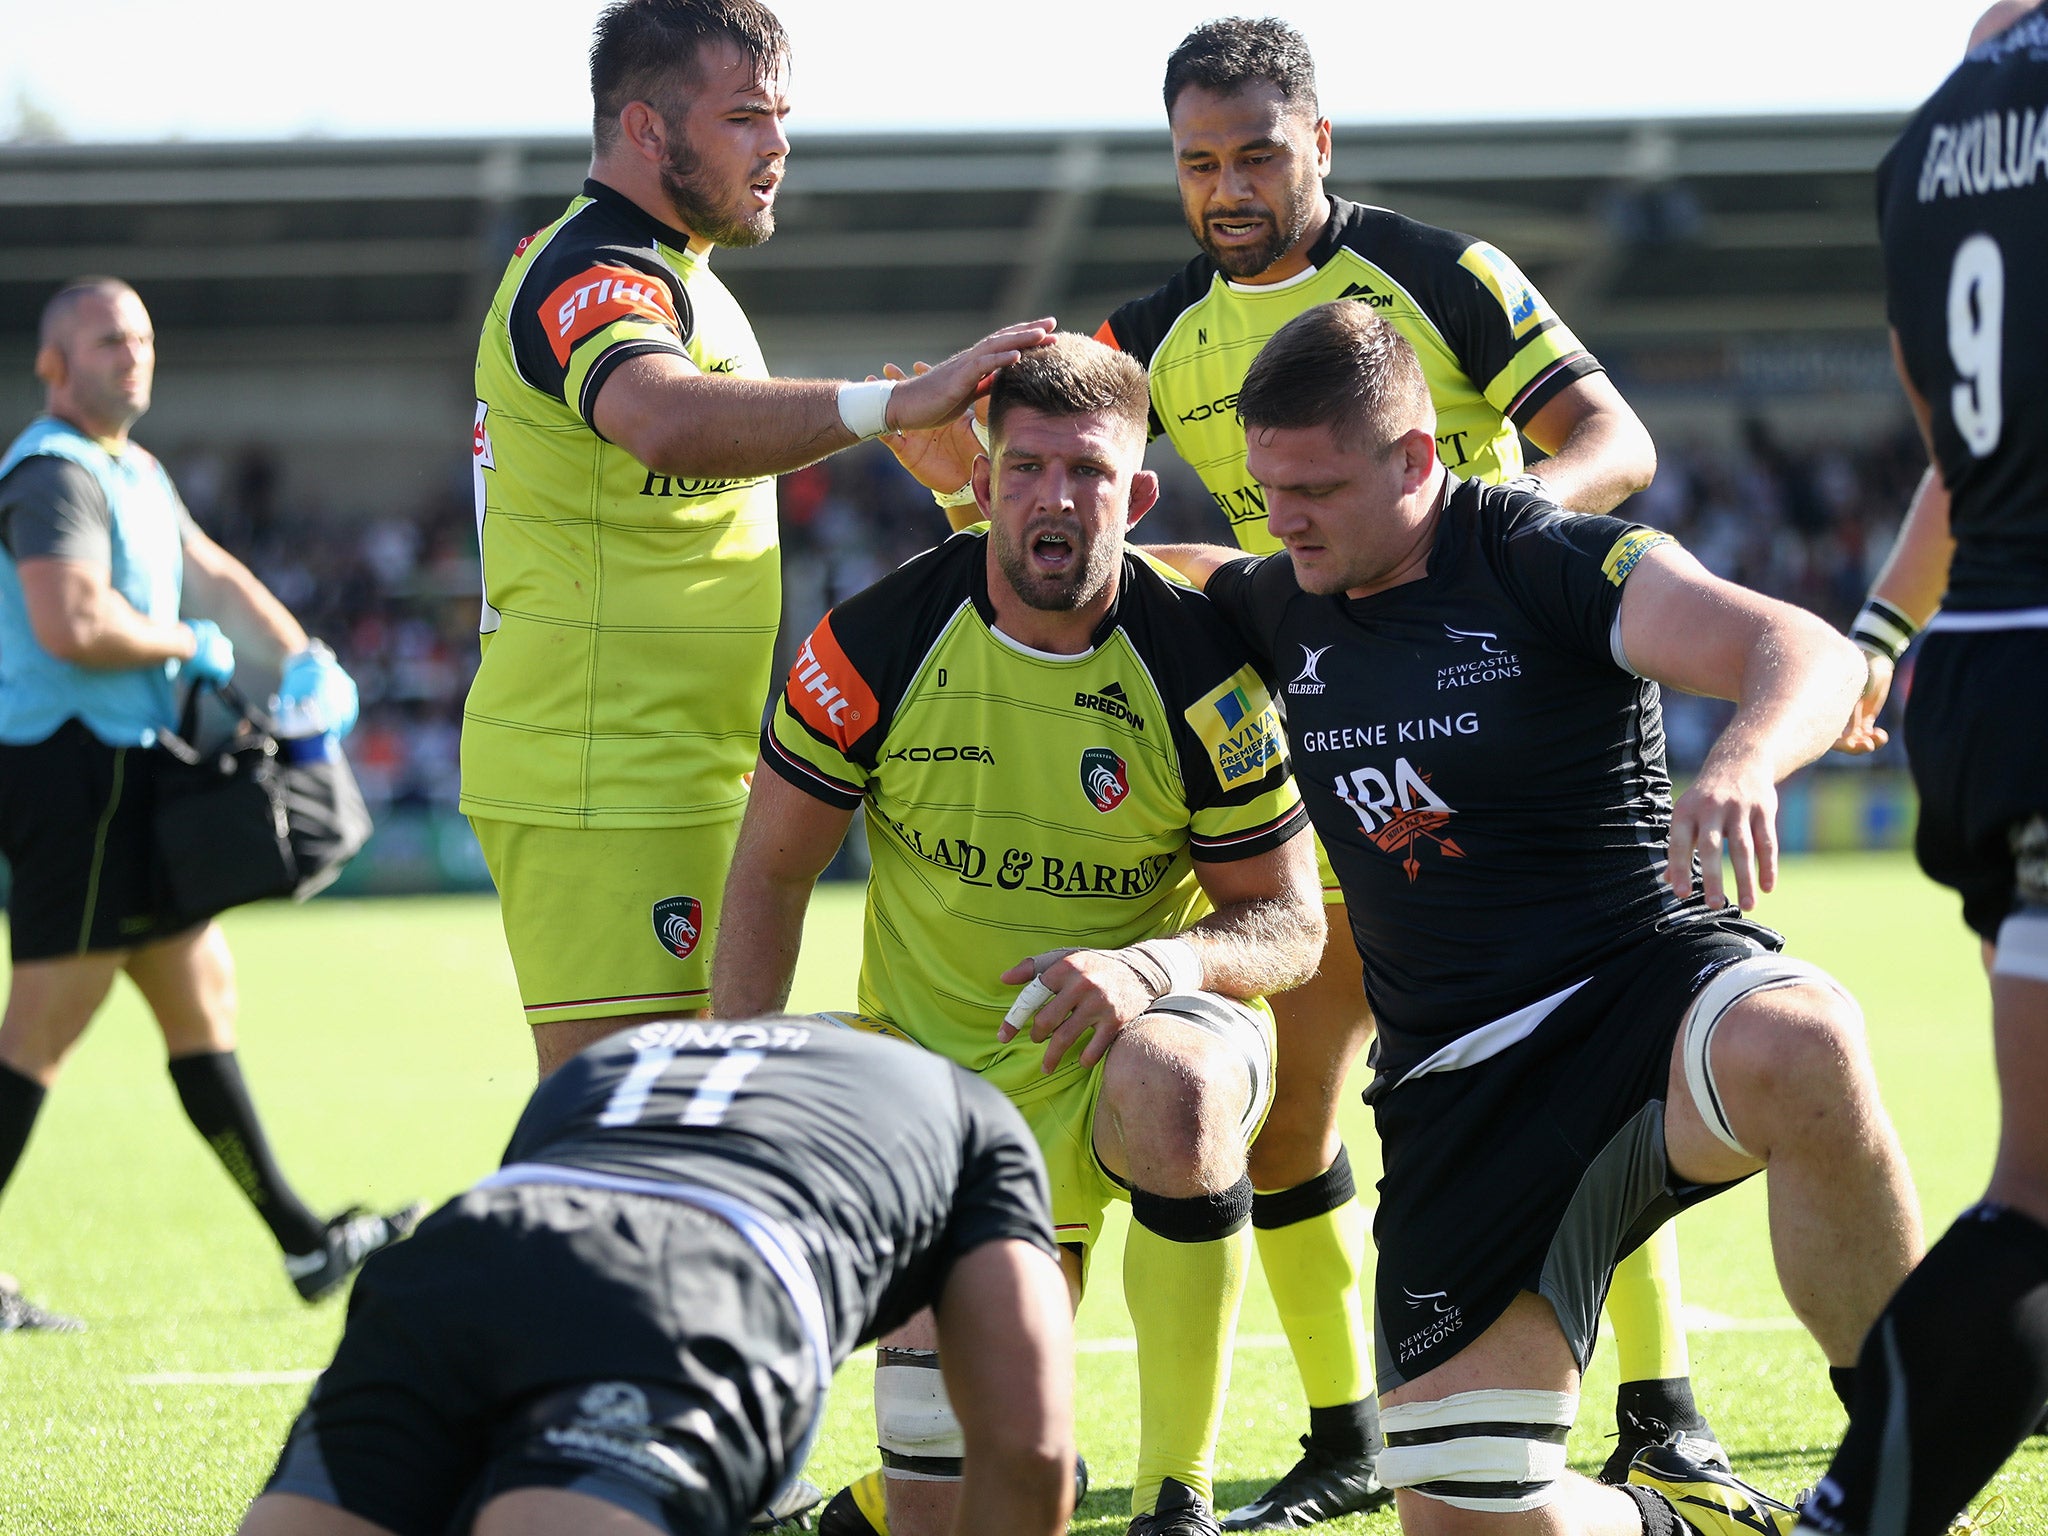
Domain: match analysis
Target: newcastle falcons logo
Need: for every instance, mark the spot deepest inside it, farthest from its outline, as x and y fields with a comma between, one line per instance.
x=679, y=924
x=1104, y=778
x=1485, y=637
x=1308, y=681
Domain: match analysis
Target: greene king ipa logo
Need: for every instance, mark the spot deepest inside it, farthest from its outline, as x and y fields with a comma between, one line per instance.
x=679, y=924
x=1104, y=778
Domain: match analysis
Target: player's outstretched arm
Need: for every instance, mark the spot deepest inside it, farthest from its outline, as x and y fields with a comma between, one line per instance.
x=678, y=421
x=1792, y=680
x=1197, y=562
x=786, y=840
x=1006, y=1346
x=1264, y=936
x=1600, y=452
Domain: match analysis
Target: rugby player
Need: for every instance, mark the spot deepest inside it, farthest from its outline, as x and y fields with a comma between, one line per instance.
x=626, y=445
x=1577, y=1037
x=1251, y=152
x=1955, y=1374
x=1074, y=784
x=630, y=1326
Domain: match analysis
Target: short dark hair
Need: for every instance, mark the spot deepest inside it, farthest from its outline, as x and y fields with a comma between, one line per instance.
x=1338, y=366
x=1227, y=55
x=60, y=304
x=1072, y=375
x=644, y=50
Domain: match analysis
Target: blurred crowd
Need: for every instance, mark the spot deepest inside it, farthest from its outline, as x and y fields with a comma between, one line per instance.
x=397, y=596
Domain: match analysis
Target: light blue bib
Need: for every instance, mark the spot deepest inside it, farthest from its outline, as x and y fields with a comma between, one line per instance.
x=38, y=693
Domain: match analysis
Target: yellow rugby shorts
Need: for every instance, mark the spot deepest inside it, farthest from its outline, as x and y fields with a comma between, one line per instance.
x=608, y=922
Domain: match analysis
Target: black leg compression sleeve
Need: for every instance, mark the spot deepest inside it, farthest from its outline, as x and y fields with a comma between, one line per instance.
x=1952, y=1378
x=20, y=1099
x=1348, y=1429
x=217, y=1102
x=1666, y=1400
x=1194, y=1218
x=1304, y=1202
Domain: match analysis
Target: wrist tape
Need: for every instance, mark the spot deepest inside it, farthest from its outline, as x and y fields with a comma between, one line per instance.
x=864, y=408
x=1164, y=965
x=1883, y=628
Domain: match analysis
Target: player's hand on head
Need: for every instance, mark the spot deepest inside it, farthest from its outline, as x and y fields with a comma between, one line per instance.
x=1728, y=817
x=939, y=458
x=935, y=397
x=1863, y=733
x=1090, y=990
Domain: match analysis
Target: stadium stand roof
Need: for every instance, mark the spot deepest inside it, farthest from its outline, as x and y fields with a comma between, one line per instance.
x=1699, y=257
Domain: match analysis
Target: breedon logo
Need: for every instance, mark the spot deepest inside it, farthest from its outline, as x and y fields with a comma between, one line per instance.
x=1104, y=778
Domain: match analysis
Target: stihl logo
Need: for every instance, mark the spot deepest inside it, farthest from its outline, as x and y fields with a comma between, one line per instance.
x=598, y=298
x=827, y=693
x=1400, y=813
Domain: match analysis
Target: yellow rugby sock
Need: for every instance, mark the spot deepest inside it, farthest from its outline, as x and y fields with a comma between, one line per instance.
x=1643, y=1305
x=1185, y=1263
x=1312, y=1240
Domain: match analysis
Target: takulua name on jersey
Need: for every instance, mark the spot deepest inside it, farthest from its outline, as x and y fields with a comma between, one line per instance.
x=1387, y=733
x=1992, y=152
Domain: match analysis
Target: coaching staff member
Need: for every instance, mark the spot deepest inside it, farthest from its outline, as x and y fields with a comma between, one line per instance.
x=626, y=445
x=630, y=1326
x=100, y=558
x=1574, y=1042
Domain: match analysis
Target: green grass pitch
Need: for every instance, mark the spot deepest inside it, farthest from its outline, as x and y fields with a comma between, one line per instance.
x=385, y=1050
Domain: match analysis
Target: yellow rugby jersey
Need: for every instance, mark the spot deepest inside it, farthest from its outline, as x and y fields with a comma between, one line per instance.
x=629, y=617
x=1493, y=351
x=1018, y=801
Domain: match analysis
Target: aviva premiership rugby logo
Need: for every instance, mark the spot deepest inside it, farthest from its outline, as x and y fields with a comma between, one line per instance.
x=1104, y=778
x=679, y=924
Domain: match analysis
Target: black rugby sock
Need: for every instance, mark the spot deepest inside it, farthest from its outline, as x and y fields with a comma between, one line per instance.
x=1843, y=1379
x=1347, y=1430
x=217, y=1102
x=1667, y=1400
x=1952, y=1378
x=20, y=1099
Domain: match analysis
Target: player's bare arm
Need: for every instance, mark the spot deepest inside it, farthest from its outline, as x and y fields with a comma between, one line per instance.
x=78, y=617
x=1792, y=680
x=1600, y=453
x=1196, y=562
x=679, y=421
x=786, y=840
x=1006, y=1343
x=1912, y=582
x=1264, y=936
x=221, y=588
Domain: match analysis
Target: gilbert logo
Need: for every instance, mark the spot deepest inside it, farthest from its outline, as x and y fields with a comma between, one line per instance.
x=1104, y=778
x=679, y=924
x=1308, y=681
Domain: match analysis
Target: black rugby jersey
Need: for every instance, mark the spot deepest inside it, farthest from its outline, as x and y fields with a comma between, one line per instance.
x=1487, y=779
x=885, y=1162
x=1963, y=213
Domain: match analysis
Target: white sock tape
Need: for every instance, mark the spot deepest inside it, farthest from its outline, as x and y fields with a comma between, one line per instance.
x=864, y=408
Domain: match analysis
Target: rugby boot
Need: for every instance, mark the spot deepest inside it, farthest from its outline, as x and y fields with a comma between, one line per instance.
x=1319, y=1487
x=1709, y=1500
x=351, y=1237
x=791, y=1512
x=1638, y=1432
x=1180, y=1511
x=20, y=1315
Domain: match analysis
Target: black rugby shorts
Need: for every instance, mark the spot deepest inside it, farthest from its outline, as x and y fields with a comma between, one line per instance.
x=627, y=1347
x=1977, y=739
x=1541, y=1168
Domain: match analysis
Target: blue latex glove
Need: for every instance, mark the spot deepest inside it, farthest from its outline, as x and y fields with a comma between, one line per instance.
x=315, y=697
x=213, y=654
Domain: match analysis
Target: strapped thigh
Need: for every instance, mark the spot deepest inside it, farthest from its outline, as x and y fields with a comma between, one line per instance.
x=1496, y=1451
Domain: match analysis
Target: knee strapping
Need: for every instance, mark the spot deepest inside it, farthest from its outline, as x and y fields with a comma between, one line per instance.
x=1244, y=1031
x=918, y=1435
x=1729, y=986
x=1496, y=1451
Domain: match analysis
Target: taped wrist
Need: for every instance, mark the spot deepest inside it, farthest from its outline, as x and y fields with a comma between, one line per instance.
x=964, y=497
x=917, y=1433
x=1883, y=628
x=864, y=408
x=1164, y=965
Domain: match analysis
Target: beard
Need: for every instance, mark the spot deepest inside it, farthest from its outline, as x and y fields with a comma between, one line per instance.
x=1286, y=223
x=1094, y=565
x=697, y=201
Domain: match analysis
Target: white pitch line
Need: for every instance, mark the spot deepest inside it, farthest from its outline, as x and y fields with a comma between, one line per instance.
x=224, y=1379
